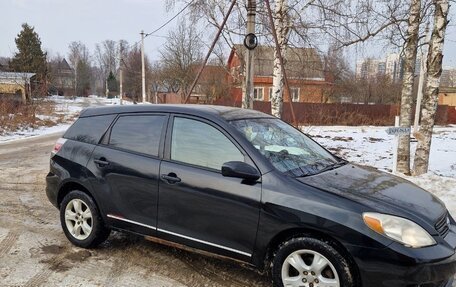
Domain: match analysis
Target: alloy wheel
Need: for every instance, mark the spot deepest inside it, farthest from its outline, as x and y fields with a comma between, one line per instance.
x=308, y=268
x=78, y=219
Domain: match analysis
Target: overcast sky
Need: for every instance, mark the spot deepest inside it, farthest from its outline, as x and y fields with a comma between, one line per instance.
x=59, y=22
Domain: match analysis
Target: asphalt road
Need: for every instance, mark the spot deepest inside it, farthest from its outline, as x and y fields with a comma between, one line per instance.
x=35, y=252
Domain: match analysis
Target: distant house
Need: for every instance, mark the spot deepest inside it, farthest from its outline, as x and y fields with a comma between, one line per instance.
x=304, y=67
x=4, y=64
x=62, y=79
x=15, y=86
x=167, y=98
x=447, y=96
x=212, y=85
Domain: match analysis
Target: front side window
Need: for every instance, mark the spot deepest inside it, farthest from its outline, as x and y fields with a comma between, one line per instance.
x=138, y=133
x=200, y=144
x=289, y=150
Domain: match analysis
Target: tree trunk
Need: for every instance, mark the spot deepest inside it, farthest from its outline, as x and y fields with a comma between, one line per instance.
x=403, y=151
x=282, y=27
x=430, y=99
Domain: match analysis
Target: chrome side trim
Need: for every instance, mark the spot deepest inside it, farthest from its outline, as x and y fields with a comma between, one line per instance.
x=205, y=242
x=180, y=235
x=131, y=221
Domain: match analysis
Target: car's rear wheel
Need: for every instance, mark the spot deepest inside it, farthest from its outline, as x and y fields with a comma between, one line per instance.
x=310, y=262
x=81, y=221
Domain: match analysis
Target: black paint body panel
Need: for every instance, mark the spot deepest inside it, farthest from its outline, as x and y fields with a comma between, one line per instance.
x=240, y=219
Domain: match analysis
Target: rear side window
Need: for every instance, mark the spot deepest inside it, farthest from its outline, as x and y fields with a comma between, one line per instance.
x=138, y=133
x=90, y=129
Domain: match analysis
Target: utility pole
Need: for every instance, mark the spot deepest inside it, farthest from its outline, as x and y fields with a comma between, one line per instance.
x=121, y=83
x=76, y=78
x=143, y=69
x=423, y=71
x=247, y=102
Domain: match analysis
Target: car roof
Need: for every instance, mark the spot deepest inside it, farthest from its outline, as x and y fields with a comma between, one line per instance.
x=207, y=111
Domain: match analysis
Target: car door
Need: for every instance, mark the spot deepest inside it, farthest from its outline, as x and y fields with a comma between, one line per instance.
x=127, y=166
x=198, y=206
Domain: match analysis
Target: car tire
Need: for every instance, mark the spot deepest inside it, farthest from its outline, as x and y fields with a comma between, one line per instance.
x=306, y=261
x=81, y=221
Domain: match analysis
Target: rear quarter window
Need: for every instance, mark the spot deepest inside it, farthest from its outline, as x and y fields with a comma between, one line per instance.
x=90, y=129
x=138, y=133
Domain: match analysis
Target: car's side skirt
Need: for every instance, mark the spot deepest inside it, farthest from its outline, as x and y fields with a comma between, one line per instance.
x=179, y=235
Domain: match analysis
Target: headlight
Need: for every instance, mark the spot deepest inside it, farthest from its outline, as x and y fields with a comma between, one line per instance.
x=400, y=229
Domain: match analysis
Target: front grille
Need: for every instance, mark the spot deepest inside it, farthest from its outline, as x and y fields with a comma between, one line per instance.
x=442, y=225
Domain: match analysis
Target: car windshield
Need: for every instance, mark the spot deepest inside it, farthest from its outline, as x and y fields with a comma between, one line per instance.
x=289, y=150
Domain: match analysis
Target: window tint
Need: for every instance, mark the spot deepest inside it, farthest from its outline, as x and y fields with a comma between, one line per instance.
x=138, y=133
x=200, y=144
x=90, y=129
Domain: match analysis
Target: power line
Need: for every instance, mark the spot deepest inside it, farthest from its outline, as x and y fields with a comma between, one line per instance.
x=165, y=24
x=172, y=18
x=158, y=29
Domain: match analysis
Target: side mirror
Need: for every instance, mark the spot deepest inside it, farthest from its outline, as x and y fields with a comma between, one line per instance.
x=240, y=169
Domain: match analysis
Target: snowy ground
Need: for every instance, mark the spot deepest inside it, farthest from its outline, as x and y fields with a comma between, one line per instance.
x=372, y=146
x=67, y=110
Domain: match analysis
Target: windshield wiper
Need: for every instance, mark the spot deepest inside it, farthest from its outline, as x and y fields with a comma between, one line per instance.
x=333, y=166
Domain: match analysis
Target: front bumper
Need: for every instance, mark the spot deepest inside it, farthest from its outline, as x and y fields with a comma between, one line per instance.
x=399, y=266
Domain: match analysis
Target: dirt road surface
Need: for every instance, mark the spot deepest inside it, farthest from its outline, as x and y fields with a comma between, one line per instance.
x=35, y=252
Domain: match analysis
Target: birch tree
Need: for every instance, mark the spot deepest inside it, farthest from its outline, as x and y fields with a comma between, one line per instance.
x=430, y=99
x=411, y=45
x=282, y=25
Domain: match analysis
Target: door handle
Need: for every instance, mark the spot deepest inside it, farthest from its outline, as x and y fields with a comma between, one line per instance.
x=101, y=162
x=170, y=178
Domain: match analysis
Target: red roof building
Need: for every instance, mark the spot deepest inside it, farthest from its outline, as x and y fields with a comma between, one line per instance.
x=305, y=71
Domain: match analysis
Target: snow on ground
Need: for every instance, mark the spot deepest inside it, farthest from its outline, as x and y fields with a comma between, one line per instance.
x=66, y=108
x=369, y=145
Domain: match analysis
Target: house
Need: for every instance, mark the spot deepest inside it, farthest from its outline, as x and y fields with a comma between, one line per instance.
x=304, y=67
x=15, y=86
x=447, y=96
x=4, y=64
x=448, y=78
x=211, y=86
x=62, y=78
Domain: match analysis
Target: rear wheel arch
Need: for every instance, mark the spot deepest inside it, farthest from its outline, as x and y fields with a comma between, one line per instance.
x=289, y=234
x=70, y=186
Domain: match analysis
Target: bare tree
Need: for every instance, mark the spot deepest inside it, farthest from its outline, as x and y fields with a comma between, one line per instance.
x=411, y=46
x=132, y=65
x=79, y=57
x=106, y=54
x=430, y=99
x=180, y=55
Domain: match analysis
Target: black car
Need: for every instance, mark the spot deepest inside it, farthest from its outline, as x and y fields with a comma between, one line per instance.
x=245, y=185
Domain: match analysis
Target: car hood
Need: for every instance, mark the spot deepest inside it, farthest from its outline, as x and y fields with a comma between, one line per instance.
x=381, y=191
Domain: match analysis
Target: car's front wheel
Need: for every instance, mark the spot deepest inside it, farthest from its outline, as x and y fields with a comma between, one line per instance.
x=81, y=221
x=310, y=262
